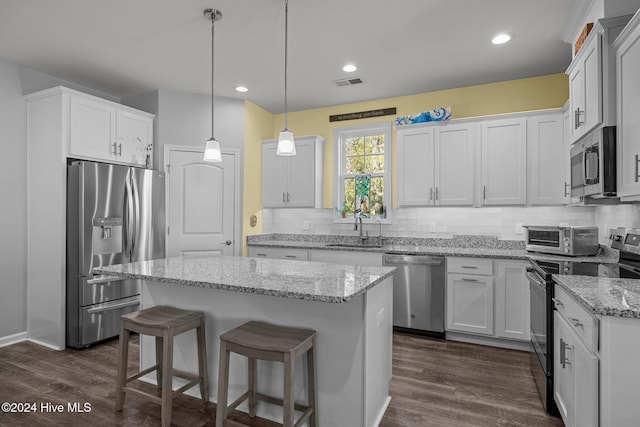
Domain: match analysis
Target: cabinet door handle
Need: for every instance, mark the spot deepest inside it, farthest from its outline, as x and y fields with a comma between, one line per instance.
x=564, y=360
x=575, y=322
x=120, y=149
x=637, y=161
x=284, y=199
x=431, y=188
x=566, y=186
x=484, y=192
x=115, y=153
x=464, y=279
x=436, y=193
x=291, y=256
x=288, y=200
x=578, y=114
x=557, y=302
x=468, y=266
x=261, y=254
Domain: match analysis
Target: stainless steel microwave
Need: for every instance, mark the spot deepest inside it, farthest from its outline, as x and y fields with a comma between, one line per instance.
x=593, y=164
x=571, y=241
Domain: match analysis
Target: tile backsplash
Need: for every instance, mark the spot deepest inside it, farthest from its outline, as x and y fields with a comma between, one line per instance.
x=501, y=222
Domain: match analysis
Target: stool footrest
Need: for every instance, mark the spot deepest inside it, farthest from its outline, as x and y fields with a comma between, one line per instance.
x=239, y=400
x=187, y=386
x=153, y=397
x=277, y=401
x=141, y=373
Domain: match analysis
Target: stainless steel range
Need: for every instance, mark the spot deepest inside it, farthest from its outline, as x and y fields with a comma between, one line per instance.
x=541, y=285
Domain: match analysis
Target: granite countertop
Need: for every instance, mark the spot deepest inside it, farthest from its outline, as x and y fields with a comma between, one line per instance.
x=603, y=295
x=314, y=281
x=404, y=249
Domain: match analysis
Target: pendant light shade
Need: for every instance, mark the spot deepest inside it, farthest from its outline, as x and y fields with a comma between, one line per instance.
x=212, y=151
x=286, y=142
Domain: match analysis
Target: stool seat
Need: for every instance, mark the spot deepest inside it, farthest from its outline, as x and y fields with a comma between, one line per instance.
x=267, y=337
x=164, y=323
x=264, y=341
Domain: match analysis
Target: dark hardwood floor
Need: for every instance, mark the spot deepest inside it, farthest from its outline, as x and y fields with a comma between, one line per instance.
x=435, y=383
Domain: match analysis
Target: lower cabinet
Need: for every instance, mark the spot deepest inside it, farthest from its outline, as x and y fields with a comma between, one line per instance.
x=470, y=295
x=487, y=297
x=279, y=253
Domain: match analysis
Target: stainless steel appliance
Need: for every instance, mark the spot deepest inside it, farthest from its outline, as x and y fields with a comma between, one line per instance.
x=418, y=293
x=593, y=164
x=115, y=214
x=541, y=284
x=571, y=241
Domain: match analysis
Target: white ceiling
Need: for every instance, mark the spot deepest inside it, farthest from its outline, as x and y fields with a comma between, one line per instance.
x=124, y=47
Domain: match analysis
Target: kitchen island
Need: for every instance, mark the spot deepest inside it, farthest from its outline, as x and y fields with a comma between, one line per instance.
x=349, y=307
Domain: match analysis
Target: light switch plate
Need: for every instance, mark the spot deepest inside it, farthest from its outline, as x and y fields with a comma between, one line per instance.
x=519, y=228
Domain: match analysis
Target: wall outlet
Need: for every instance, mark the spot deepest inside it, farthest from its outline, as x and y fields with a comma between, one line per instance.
x=432, y=227
x=305, y=224
x=519, y=228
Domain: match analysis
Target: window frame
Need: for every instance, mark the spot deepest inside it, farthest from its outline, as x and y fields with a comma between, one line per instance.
x=339, y=136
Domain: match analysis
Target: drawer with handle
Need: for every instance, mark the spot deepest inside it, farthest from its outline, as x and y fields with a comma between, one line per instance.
x=583, y=323
x=462, y=265
x=279, y=253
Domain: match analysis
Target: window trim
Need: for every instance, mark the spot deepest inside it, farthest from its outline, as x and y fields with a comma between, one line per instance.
x=339, y=135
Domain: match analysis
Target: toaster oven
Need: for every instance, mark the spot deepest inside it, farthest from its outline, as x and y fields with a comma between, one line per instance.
x=570, y=240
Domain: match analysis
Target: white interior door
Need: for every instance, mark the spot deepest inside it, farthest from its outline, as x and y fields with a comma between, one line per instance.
x=202, y=202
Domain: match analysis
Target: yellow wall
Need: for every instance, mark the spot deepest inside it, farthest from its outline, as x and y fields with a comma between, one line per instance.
x=258, y=125
x=534, y=93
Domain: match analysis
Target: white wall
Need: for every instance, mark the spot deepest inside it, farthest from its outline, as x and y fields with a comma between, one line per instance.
x=607, y=217
x=494, y=221
x=16, y=81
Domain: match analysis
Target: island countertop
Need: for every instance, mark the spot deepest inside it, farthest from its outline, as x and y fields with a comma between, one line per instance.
x=314, y=281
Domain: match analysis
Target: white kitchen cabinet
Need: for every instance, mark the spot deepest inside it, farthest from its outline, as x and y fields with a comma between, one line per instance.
x=546, y=160
x=435, y=165
x=279, y=253
x=592, y=79
x=512, y=308
x=504, y=162
x=295, y=181
x=105, y=131
x=628, y=103
x=470, y=299
x=576, y=376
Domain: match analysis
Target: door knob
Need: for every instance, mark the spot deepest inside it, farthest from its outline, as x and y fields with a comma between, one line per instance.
x=228, y=243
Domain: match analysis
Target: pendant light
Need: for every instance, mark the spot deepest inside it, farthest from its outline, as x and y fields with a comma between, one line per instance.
x=286, y=144
x=212, y=151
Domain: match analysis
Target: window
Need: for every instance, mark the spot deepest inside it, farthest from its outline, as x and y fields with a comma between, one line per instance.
x=363, y=150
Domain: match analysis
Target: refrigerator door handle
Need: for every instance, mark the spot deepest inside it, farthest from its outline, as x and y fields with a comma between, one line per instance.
x=103, y=279
x=136, y=213
x=128, y=217
x=111, y=306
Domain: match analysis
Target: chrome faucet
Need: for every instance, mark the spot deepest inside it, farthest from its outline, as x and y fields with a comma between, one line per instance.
x=380, y=238
x=358, y=217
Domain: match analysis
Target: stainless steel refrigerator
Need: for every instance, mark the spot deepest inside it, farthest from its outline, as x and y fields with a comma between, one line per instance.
x=115, y=215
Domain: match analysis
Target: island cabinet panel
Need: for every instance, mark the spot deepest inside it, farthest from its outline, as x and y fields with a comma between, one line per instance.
x=504, y=162
x=628, y=102
x=295, y=181
x=279, y=253
x=546, y=160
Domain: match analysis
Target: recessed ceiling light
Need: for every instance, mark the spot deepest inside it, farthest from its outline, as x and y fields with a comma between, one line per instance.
x=501, y=38
x=241, y=89
x=349, y=68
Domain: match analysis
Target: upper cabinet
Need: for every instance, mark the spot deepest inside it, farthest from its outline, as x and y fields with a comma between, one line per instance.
x=295, y=181
x=97, y=129
x=435, y=165
x=504, y=162
x=628, y=93
x=546, y=160
x=592, y=79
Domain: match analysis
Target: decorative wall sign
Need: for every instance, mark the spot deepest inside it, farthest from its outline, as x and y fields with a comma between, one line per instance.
x=363, y=114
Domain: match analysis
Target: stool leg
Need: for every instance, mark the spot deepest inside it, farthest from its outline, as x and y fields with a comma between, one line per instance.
x=159, y=350
x=123, y=353
x=167, y=378
x=202, y=362
x=311, y=381
x=223, y=385
x=287, y=401
x=253, y=365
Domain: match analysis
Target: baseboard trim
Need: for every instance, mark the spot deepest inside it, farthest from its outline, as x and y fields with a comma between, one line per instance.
x=13, y=339
x=490, y=341
x=44, y=344
x=382, y=411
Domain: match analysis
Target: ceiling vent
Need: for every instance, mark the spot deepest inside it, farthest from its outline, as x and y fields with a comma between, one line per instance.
x=349, y=82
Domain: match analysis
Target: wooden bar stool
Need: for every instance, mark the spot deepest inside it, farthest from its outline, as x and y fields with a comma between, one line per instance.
x=164, y=323
x=258, y=340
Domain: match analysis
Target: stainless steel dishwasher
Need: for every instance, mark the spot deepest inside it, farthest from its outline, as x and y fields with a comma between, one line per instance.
x=418, y=292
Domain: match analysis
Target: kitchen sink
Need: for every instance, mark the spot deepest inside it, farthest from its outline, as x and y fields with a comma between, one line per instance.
x=353, y=245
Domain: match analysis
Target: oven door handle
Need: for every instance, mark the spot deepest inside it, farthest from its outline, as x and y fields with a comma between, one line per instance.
x=533, y=277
